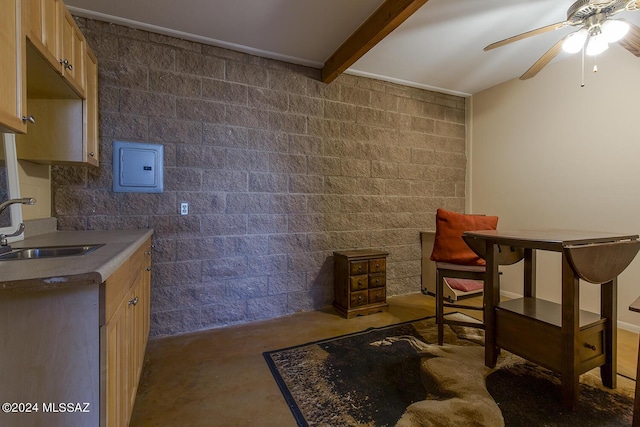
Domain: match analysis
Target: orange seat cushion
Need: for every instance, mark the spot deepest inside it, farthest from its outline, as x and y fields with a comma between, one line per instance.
x=449, y=246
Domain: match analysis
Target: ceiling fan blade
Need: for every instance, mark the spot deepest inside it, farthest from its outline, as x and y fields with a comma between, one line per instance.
x=631, y=41
x=544, y=60
x=527, y=34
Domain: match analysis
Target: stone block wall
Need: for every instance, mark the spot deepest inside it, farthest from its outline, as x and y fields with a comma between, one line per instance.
x=279, y=169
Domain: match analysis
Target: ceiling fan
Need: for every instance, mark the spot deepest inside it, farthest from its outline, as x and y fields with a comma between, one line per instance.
x=596, y=29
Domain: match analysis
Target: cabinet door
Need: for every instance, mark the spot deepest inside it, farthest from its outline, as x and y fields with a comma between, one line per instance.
x=91, y=141
x=42, y=28
x=13, y=86
x=133, y=329
x=139, y=304
x=127, y=330
x=146, y=302
x=72, y=52
x=117, y=374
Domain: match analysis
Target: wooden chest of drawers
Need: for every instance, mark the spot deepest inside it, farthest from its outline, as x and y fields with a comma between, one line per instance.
x=360, y=279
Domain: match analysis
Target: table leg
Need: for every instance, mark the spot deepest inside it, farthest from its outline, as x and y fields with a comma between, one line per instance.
x=439, y=306
x=569, y=333
x=529, y=273
x=491, y=299
x=636, y=400
x=608, y=310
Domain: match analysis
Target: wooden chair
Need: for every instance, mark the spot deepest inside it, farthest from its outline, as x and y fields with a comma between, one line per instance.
x=460, y=260
x=444, y=271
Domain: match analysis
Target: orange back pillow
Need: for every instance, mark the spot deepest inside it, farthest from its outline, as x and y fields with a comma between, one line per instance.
x=449, y=246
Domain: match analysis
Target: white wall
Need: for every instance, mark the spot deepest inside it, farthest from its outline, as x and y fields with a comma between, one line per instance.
x=546, y=153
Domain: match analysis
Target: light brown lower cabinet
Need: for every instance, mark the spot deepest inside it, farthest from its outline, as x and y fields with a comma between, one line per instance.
x=72, y=354
x=124, y=335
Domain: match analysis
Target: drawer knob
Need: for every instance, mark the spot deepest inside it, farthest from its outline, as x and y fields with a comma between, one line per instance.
x=377, y=265
x=377, y=281
x=359, y=268
x=148, y=269
x=590, y=346
x=92, y=154
x=359, y=282
x=133, y=301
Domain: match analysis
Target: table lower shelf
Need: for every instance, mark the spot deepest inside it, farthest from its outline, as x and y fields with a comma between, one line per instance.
x=532, y=328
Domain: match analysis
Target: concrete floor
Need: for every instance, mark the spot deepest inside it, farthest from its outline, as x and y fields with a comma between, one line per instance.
x=220, y=378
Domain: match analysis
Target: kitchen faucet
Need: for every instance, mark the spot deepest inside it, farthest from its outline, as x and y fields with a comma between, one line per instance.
x=4, y=246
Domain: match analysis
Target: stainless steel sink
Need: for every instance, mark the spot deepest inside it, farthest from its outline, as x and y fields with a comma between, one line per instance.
x=48, y=252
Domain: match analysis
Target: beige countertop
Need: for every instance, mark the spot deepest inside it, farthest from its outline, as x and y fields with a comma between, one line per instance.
x=91, y=268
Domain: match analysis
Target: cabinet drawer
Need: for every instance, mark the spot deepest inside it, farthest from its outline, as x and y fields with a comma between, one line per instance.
x=118, y=284
x=359, y=283
x=377, y=279
x=591, y=343
x=377, y=295
x=359, y=298
x=358, y=267
x=377, y=265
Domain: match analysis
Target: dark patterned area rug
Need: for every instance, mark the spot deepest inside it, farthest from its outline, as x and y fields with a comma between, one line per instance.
x=393, y=376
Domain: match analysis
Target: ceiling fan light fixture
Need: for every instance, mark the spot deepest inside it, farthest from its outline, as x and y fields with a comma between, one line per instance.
x=613, y=30
x=575, y=41
x=596, y=45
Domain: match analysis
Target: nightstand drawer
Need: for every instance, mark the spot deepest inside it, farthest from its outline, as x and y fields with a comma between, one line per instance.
x=377, y=279
x=377, y=295
x=359, y=283
x=358, y=267
x=359, y=298
x=377, y=265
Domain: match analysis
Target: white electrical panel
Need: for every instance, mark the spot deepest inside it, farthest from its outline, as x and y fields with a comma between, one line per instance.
x=138, y=167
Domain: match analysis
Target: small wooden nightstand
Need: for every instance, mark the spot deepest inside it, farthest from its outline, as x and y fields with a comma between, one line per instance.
x=360, y=279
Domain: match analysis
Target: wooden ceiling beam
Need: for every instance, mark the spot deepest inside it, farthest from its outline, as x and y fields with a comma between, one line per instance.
x=385, y=19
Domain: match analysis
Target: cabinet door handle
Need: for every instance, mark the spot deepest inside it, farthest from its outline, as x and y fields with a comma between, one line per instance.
x=65, y=64
x=148, y=269
x=590, y=346
x=147, y=252
x=133, y=301
x=29, y=119
x=92, y=154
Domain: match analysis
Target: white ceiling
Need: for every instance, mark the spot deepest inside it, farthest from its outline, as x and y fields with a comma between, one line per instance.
x=439, y=47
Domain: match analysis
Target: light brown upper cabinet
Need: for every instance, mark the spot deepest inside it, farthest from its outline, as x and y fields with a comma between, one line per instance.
x=61, y=88
x=55, y=35
x=72, y=52
x=90, y=111
x=43, y=27
x=12, y=68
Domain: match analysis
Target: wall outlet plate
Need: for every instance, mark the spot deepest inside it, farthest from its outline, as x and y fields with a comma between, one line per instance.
x=184, y=208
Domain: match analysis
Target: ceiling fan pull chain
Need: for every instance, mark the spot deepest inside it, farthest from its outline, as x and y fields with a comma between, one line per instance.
x=582, y=69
